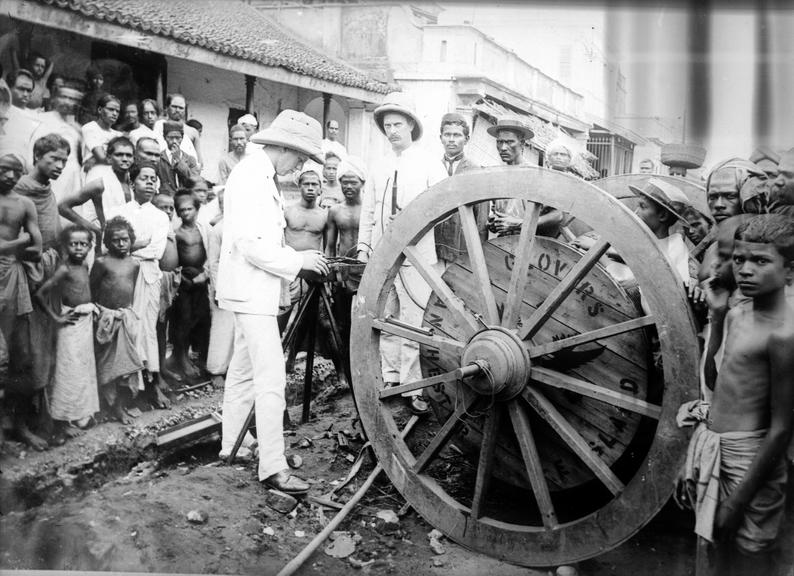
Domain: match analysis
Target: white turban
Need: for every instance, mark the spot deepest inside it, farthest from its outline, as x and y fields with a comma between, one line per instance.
x=352, y=165
x=248, y=119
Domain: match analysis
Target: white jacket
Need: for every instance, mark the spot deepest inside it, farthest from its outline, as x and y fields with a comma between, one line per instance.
x=254, y=259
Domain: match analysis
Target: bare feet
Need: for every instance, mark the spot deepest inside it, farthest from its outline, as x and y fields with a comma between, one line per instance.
x=72, y=431
x=120, y=414
x=218, y=381
x=170, y=374
x=188, y=368
x=29, y=438
x=159, y=389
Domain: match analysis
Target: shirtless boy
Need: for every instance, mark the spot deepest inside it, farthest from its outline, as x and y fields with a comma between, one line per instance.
x=66, y=296
x=191, y=307
x=19, y=239
x=112, y=280
x=750, y=420
x=172, y=274
x=305, y=219
x=341, y=235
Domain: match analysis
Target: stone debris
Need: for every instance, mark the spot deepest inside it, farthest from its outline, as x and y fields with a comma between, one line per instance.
x=279, y=501
x=566, y=571
x=435, y=536
x=294, y=461
x=197, y=517
x=358, y=564
x=440, y=561
x=387, y=522
x=268, y=531
x=342, y=545
x=300, y=534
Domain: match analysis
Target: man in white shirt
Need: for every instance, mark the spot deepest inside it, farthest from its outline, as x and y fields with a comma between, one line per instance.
x=330, y=142
x=254, y=267
x=395, y=180
x=151, y=228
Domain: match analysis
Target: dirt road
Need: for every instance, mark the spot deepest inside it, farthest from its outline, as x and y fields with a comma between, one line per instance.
x=109, y=501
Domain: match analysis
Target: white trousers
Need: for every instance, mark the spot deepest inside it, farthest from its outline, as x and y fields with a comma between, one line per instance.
x=221, y=339
x=406, y=301
x=257, y=377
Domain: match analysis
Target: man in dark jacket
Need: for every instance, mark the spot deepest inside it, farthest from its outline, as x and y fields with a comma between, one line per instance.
x=450, y=242
x=175, y=167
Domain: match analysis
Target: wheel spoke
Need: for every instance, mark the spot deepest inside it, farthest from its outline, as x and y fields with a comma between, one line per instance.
x=519, y=277
x=451, y=376
x=444, y=433
x=566, y=382
x=563, y=289
x=569, y=434
x=592, y=336
x=420, y=335
x=484, y=468
x=454, y=304
x=529, y=452
x=478, y=265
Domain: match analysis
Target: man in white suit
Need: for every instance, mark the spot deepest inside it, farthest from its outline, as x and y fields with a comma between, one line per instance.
x=255, y=268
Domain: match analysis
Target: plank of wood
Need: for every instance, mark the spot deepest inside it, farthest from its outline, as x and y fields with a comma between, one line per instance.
x=563, y=289
x=477, y=260
x=532, y=462
x=591, y=336
x=485, y=465
x=550, y=414
x=519, y=276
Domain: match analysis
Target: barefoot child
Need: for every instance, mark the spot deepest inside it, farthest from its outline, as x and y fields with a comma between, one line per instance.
x=736, y=474
x=74, y=399
x=191, y=308
x=172, y=275
x=113, y=279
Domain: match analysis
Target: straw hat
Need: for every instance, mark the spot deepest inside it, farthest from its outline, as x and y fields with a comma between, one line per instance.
x=669, y=197
x=399, y=103
x=294, y=130
x=513, y=123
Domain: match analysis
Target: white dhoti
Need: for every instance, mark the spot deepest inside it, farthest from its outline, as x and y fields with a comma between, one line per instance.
x=221, y=339
x=74, y=383
x=256, y=376
x=406, y=301
x=146, y=305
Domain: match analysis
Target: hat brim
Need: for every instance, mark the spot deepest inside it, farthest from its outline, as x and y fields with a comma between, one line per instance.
x=276, y=137
x=384, y=109
x=666, y=205
x=495, y=129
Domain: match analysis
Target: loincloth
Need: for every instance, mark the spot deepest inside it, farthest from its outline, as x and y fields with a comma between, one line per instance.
x=117, y=358
x=715, y=465
x=14, y=290
x=169, y=285
x=74, y=383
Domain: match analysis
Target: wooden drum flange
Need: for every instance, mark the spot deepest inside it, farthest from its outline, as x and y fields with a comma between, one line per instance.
x=553, y=434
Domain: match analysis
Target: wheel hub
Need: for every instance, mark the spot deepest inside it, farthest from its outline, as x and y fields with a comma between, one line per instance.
x=504, y=363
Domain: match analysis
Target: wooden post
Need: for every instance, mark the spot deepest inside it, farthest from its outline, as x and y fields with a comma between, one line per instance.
x=250, y=82
x=326, y=111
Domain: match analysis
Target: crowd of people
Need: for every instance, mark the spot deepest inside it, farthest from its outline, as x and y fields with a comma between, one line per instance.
x=114, y=249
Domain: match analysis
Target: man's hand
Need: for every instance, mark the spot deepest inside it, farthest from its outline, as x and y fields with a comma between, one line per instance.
x=503, y=224
x=694, y=293
x=681, y=494
x=716, y=296
x=68, y=318
x=314, y=262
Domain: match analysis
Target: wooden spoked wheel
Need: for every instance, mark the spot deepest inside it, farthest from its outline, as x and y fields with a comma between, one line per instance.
x=553, y=434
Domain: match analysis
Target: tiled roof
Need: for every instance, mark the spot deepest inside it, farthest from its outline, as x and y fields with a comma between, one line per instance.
x=228, y=27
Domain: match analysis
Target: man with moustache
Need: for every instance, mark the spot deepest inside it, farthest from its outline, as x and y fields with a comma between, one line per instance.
x=238, y=138
x=175, y=110
x=394, y=181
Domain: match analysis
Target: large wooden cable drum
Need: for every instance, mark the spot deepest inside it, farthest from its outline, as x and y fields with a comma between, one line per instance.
x=554, y=395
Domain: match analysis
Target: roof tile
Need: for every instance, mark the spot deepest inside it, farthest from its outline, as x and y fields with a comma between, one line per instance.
x=227, y=27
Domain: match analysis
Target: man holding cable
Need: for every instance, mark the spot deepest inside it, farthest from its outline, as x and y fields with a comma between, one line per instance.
x=254, y=269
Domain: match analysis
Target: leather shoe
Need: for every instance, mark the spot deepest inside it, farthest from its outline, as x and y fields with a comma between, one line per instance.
x=287, y=483
x=417, y=405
